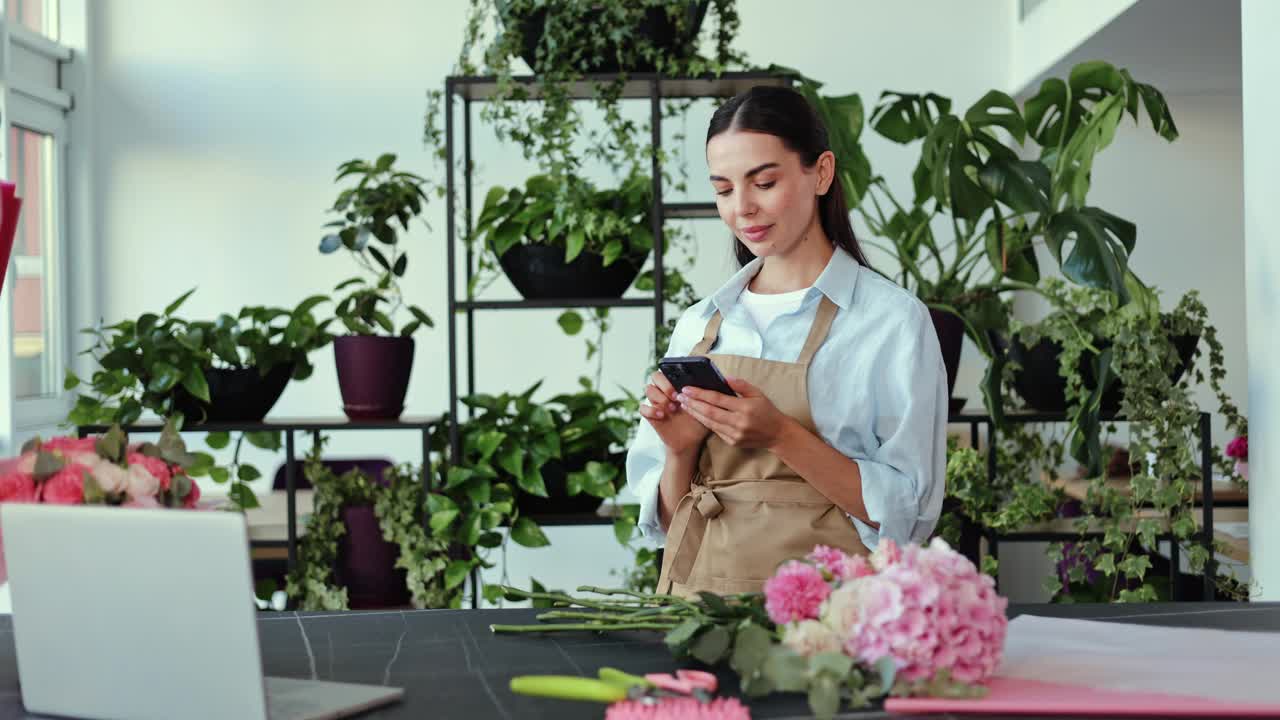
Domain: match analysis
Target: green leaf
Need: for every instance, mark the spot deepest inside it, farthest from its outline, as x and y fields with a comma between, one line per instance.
x=531, y=481
x=163, y=377
x=711, y=646
x=831, y=663
x=401, y=263
x=195, y=383
x=751, y=648
x=70, y=381
x=456, y=476
x=1099, y=255
x=456, y=573
x=266, y=439
x=623, y=530
x=492, y=593
x=527, y=533
x=248, y=473
x=715, y=603
x=219, y=474
x=574, y=244
x=787, y=671
x=218, y=440
x=998, y=109
x=487, y=442
x=479, y=491
x=172, y=307
x=46, y=464
x=505, y=236
x=824, y=697
x=887, y=669
x=571, y=322
x=612, y=251
x=680, y=636
x=511, y=459
x=242, y=496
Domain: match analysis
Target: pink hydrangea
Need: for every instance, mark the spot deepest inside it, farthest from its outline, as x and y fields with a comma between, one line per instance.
x=795, y=593
x=157, y=467
x=840, y=565
x=193, y=496
x=886, y=553
x=17, y=487
x=65, y=487
x=1239, y=448
x=679, y=708
x=942, y=614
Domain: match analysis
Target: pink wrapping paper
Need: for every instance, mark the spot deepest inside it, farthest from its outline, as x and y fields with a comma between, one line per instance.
x=9, y=208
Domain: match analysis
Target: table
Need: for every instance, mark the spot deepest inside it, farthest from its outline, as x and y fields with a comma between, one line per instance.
x=452, y=666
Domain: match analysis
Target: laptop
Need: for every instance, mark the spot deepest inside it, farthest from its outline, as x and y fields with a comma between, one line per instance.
x=131, y=613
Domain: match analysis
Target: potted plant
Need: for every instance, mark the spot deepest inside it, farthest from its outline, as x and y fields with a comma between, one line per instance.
x=594, y=252
x=973, y=172
x=232, y=369
x=374, y=359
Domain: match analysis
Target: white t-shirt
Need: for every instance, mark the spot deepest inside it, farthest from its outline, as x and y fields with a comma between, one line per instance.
x=764, y=308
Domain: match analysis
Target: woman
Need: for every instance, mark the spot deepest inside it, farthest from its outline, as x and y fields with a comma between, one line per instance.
x=836, y=435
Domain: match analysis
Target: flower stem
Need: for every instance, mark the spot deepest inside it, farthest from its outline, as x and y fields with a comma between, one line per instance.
x=626, y=617
x=594, y=627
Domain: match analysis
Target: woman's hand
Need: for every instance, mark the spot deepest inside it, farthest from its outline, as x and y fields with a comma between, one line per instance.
x=679, y=432
x=750, y=420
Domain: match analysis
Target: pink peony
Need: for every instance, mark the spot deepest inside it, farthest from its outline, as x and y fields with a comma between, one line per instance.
x=795, y=593
x=65, y=487
x=155, y=466
x=27, y=463
x=110, y=477
x=1239, y=448
x=142, y=502
x=17, y=487
x=69, y=445
x=828, y=558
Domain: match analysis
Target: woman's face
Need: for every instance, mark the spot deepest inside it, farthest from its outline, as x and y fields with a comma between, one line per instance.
x=763, y=191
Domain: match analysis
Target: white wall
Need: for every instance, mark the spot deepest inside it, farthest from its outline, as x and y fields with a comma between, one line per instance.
x=1260, y=21
x=218, y=127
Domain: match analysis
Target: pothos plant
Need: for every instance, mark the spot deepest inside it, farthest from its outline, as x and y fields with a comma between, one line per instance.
x=1130, y=344
x=399, y=504
x=974, y=174
x=145, y=362
x=552, y=131
x=375, y=213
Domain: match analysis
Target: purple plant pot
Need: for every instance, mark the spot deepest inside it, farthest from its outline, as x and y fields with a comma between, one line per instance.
x=373, y=375
x=366, y=563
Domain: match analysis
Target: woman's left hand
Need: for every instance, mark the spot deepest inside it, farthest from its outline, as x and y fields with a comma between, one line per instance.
x=750, y=420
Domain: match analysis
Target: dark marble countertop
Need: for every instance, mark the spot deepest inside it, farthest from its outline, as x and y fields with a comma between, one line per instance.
x=452, y=666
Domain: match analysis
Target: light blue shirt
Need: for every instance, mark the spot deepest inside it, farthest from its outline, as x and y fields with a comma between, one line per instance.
x=877, y=392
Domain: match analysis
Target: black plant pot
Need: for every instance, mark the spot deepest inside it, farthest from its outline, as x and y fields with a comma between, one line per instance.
x=373, y=375
x=656, y=26
x=555, y=474
x=950, y=329
x=1040, y=383
x=539, y=272
x=235, y=394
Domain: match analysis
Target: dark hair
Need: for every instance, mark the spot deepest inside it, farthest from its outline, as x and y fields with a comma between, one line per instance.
x=787, y=115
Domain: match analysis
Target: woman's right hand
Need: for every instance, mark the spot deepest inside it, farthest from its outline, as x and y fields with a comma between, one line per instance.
x=680, y=432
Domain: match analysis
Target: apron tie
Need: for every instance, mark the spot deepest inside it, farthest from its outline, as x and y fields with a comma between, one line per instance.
x=687, y=530
x=706, y=502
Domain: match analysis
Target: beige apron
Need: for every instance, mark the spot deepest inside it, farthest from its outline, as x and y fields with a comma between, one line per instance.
x=747, y=512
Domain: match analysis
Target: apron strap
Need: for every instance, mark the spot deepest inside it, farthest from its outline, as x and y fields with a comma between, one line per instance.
x=688, y=526
x=709, y=337
x=818, y=331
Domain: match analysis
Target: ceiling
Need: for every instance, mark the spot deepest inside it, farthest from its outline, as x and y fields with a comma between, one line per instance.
x=1179, y=46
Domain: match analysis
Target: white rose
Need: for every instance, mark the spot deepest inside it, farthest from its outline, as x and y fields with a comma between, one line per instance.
x=142, y=484
x=843, y=608
x=810, y=637
x=110, y=477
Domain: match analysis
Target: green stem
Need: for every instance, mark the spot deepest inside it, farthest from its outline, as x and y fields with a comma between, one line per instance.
x=593, y=627
x=626, y=617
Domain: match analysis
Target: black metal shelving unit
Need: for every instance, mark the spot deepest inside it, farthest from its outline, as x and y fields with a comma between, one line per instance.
x=1205, y=437
x=652, y=87
x=638, y=86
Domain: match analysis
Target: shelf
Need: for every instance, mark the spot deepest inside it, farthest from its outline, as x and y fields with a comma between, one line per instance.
x=690, y=210
x=637, y=85
x=553, y=304
x=272, y=424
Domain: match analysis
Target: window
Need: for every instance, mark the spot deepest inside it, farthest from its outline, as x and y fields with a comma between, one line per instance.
x=37, y=333
x=36, y=305
x=39, y=16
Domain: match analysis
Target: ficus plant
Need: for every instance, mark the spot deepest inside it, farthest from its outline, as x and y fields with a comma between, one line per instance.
x=376, y=212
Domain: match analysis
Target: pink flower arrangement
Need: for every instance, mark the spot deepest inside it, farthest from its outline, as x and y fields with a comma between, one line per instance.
x=1238, y=448
x=926, y=608
x=102, y=470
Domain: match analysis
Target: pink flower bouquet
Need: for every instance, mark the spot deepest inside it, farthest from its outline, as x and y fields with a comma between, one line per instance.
x=1238, y=450
x=104, y=470
x=927, y=609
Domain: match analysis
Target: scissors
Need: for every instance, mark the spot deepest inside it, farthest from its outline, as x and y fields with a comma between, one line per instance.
x=615, y=685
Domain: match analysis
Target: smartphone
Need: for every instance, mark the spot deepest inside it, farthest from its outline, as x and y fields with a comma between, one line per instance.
x=695, y=371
